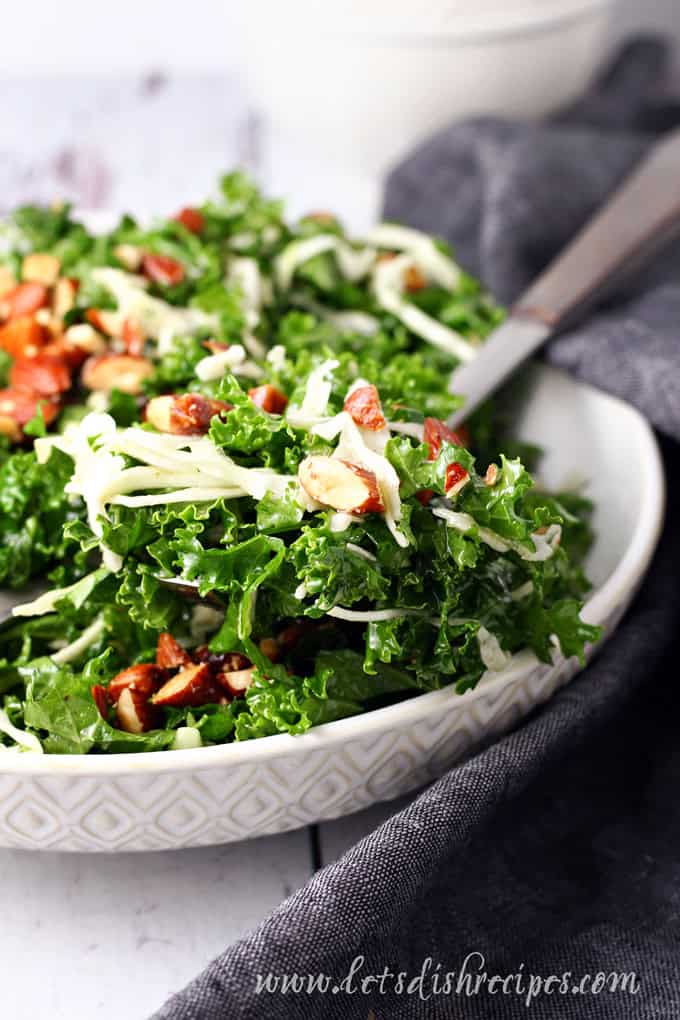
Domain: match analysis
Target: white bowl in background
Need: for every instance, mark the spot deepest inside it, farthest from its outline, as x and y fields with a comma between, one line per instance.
x=173, y=799
x=359, y=82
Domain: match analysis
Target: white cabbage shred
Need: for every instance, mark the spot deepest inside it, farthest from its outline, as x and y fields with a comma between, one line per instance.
x=23, y=741
x=233, y=360
x=73, y=651
x=388, y=286
x=156, y=317
x=544, y=544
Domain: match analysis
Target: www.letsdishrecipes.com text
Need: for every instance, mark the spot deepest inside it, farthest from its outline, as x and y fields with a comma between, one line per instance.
x=433, y=981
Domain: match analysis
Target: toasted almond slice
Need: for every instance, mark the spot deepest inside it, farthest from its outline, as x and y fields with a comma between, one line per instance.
x=269, y=398
x=215, y=346
x=188, y=414
x=18, y=406
x=237, y=682
x=456, y=479
x=364, y=407
x=133, y=337
x=123, y=372
x=436, y=432
x=191, y=218
x=129, y=255
x=170, y=654
x=491, y=476
x=134, y=713
x=25, y=299
x=193, y=685
x=341, y=485
x=46, y=374
x=64, y=296
x=145, y=677
x=163, y=270
x=22, y=336
x=106, y=321
x=40, y=268
x=86, y=337
x=70, y=354
x=157, y=412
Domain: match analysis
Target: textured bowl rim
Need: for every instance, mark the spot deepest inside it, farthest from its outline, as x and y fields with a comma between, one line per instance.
x=622, y=583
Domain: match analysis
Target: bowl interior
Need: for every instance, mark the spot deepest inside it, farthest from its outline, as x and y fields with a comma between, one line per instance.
x=596, y=443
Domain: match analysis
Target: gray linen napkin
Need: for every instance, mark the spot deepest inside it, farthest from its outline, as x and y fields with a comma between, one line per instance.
x=555, y=851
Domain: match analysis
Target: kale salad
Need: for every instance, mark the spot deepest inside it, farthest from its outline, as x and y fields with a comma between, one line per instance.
x=224, y=456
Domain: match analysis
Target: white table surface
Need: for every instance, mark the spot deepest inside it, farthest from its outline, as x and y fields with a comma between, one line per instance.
x=110, y=936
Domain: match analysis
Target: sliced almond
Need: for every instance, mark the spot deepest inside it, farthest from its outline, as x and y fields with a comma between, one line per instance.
x=364, y=407
x=18, y=406
x=269, y=398
x=86, y=337
x=22, y=336
x=134, y=713
x=491, y=476
x=436, y=432
x=341, y=485
x=170, y=654
x=237, y=682
x=144, y=677
x=133, y=337
x=40, y=268
x=163, y=269
x=215, y=346
x=456, y=479
x=188, y=414
x=45, y=373
x=193, y=685
x=123, y=372
x=157, y=412
x=25, y=299
x=129, y=255
x=191, y=218
x=64, y=296
x=108, y=322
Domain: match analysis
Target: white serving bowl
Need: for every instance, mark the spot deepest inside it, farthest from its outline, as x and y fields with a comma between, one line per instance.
x=218, y=794
x=359, y=82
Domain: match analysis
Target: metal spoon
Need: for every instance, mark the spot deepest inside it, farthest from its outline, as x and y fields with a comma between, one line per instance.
x=641, y=217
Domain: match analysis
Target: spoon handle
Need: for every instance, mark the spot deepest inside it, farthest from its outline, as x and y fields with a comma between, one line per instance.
x=641, y=217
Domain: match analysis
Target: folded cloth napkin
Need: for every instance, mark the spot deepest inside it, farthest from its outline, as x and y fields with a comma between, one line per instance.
x=555, y=851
